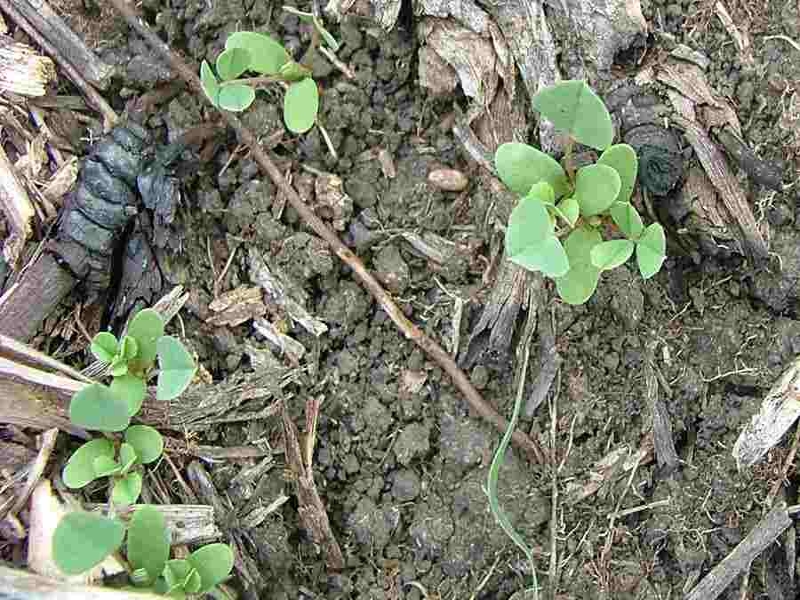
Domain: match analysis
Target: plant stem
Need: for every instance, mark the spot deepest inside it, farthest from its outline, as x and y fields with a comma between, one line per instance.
x=570, y=167
x=312, y=48
x=255, y=81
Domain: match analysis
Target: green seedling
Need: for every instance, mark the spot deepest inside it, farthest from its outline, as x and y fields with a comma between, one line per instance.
x=109, y=408
x=557, y=226
x=83, y=540
x=251, y=52
x=99, y=458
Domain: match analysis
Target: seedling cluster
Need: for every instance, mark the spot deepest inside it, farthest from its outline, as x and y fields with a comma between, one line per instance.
x=557, y=227
x=82, y=540
x=251, y=52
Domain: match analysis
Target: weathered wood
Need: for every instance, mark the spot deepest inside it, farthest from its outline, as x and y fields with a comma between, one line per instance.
x=186, y=523
x=22, y=585
x=761, y=171
x=25, y=306
x=18, y=210
x=22, y=70
x=779, y=411
x=46, y=21
x=763, y=535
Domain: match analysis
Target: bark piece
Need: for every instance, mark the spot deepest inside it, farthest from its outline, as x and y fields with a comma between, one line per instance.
x=312, y=511
x=186, y=523
x=237, y=306
x=779, y=411
x=771, y=526
x=663, y=441
x=730, y=192
x=47, y=22
x=289, y=347
x=22, y=70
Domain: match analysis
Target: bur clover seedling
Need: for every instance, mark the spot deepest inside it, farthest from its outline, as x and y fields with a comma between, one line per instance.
x=83, y=540
x=557, y=226
x=251, y=52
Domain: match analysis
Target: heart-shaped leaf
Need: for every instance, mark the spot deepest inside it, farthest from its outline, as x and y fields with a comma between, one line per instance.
x=82, y=540
x=570, y=210
x=97, y=408
x=146, y=327
x=177, y=368
x=521, y=166
x=214, y=563
x=127, y=489
x=578, y=285
x=119, y=366
x=596, y=187
x=651, y=250
x=177, y=571
x=232, y=62
x=79, y=470
x=611, y=254
x=530, y=241
x=148, y=541
x=574, y=108
x=236, y=97
x=300, y=105
x=104, y=346
x=128, y=348
x=146, y=441
x=266, y=55
x=132, y=390
x=105, y=466
x=209, y=83
x=622, y=158
x=627, y=219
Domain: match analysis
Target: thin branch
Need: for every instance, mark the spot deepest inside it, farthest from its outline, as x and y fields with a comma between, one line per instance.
x=411, y=331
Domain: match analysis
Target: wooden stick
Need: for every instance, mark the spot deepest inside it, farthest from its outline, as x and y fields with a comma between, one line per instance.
x=73, y=71
x=17, y=207
x=765, y=533
x=411, y=331
x=22, y=70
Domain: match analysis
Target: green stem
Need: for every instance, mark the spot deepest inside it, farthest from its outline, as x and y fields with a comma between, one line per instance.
x=255, y=81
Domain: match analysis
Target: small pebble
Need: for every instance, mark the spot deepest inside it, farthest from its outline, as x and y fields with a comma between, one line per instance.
x=448, y=180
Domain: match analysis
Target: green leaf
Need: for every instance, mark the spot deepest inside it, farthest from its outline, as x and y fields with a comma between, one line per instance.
x=266, y=55
x=213, y=562
x=148, y=541
x=236, y=97
x=294, y=71
x=146, y=327
x=127, y=489
x=574, y=108
x=132, y=390
x=105, y=466
x=119, y=366
x=521, y=166
x=611, y=254
x=300, y=105
x=193, y=583
x=627, y=219
x=530, y=242
x=232, y=62
x=578, y=285
x=622, y=158
x=79, y=470
x=146, y=441
x=595, y=189
x=128, y=348
x=104, y=346
x=127, y=455
x=97, y=408
x=570, y=210
x=651, y=250
x=177, y=368
x=176, y=572
x=210, y=83
x=83, y=540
